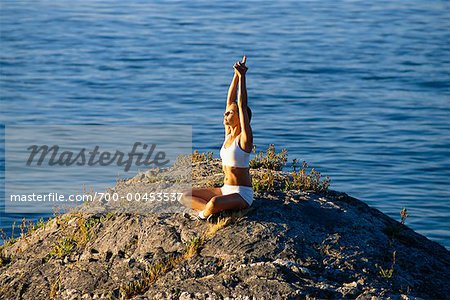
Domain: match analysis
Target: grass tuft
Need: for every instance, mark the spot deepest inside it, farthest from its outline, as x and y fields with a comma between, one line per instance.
x=264, y=182
x=63, y=247
x=299, y=179
x=403, y=214
x=387, y=273
x=302, y=180
x=55, y=287
x=214, y=227
x=270, y=160
x=198, y=157
x=193, y=246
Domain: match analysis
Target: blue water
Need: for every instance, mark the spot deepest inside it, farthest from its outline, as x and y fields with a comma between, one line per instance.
x=358, y=89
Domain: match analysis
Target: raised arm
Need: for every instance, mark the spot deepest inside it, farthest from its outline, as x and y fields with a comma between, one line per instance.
x=232, y=93
x=242, y=92
x=246, y=138
x=232, y=90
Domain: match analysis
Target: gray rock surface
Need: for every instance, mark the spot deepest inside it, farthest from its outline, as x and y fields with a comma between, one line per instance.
x=288, y=245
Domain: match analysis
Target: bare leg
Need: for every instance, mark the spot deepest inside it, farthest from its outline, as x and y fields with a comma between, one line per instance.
x=198, y=198
x=227, y=202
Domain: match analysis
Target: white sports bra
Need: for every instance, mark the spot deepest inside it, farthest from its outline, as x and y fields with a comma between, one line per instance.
x=234, y=156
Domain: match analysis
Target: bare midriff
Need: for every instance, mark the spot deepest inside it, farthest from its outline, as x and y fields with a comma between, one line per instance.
x=237, y=176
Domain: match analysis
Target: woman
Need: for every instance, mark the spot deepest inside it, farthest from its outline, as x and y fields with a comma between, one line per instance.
x=236, y=192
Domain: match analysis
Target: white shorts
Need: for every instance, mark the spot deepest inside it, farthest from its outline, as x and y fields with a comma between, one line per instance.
x=246, y=192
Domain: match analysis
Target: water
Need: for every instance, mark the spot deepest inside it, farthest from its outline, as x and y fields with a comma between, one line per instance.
x=360, y=90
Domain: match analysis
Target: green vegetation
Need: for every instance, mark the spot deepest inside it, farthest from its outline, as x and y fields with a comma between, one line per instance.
x=387, y=273
x=7, y=241
x=85, y=232
x=78, y=238
x=403, y=214
x=264, y=182
x=63, y=247
x=271, y=160
x=193, y=246
x=301, y=179
x=393, y=230
x=198, y=157
x=39, y=224
x=26, y=229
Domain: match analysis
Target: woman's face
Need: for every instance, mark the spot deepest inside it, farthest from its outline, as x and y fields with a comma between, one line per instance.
x=231, y=115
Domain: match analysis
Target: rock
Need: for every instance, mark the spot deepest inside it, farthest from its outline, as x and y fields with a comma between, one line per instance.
x=288, y=245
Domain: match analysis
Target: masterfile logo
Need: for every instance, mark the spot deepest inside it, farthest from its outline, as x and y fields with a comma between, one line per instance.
x=48, y=165
x=54, y=156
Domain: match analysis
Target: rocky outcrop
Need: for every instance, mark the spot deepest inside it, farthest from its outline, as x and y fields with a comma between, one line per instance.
x=289, y=245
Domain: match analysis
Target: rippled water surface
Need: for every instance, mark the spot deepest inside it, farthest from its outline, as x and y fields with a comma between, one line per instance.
x=360, y=90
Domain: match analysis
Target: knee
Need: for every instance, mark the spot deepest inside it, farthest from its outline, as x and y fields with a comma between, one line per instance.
x=213, y=201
